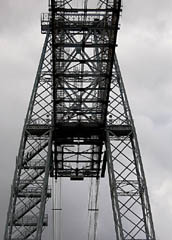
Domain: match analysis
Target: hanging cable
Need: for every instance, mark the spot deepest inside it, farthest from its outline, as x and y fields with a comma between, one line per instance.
x=93, y=208
x=89, y=207
x=85, y=4
x=57, y=209
x=60, y=208
x=96, y=209
x=53, y=206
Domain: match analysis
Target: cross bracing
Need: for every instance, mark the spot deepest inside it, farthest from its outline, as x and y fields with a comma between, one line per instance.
x=79, y=121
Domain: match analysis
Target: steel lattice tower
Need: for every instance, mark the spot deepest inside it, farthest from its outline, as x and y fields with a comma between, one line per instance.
x=79, y=121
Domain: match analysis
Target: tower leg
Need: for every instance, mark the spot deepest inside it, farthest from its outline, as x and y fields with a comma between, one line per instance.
x=129, y=195
x=29, y=191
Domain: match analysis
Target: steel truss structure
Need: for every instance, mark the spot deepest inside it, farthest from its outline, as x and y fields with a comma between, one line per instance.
x=78, y=122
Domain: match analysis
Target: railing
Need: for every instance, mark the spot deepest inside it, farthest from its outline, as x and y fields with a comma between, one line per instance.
x=31, y=221
x=38, y=121
x=45, y=22
x=33, y=192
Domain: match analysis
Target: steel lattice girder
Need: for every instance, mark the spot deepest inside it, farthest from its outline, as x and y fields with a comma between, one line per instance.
x=130, y=201
x=30, y=184
x=79, y=103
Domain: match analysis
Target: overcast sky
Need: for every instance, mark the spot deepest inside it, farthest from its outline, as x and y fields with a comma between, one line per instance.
x=145, y=56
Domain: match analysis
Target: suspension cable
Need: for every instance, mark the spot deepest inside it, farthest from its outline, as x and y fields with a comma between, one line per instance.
x=60, y=209
x=96, y=207
x=57, y=209
x=89, y=207
x=93, y=209
x=53, y=206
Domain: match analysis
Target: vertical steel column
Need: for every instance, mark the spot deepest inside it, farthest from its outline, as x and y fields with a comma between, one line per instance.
x=129, y=195
x=44, y=190
x=113, y=192
x=31, y=164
